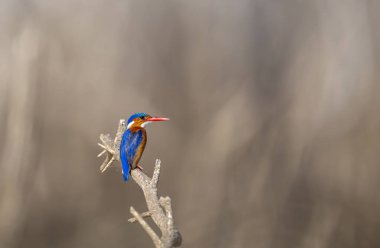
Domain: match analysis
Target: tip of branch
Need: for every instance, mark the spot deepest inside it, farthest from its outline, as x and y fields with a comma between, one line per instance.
x=102, y=146
x=102, y=152
x=156, y=173
x=144, y=215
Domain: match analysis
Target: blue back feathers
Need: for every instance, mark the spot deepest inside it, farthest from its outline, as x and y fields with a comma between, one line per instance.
x=129, y=151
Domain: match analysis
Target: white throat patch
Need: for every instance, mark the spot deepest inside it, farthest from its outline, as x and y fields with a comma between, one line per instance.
x=142, y=125
x=145, y=123
x=130, y=124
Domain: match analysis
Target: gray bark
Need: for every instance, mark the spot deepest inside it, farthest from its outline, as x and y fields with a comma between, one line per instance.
x=159, y=209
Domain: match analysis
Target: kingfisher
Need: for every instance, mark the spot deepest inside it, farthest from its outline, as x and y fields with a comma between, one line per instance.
x=134, y=140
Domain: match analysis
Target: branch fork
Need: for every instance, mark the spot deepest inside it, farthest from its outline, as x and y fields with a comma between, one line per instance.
x=159, y=209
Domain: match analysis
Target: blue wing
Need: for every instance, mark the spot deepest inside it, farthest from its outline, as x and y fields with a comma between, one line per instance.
x=129, y=147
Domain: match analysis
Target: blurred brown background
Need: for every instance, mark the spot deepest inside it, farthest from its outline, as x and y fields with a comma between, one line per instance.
x=274, y=137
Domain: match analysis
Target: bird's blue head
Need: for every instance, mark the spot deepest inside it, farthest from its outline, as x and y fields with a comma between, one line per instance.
x=142, y=119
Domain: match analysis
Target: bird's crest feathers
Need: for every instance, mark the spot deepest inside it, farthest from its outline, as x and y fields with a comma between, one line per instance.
x=136, y=115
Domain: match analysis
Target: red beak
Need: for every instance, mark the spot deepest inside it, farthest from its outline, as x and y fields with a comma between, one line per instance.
x=157, y=119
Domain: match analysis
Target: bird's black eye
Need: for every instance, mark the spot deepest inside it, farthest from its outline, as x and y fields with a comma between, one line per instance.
x=142, y=117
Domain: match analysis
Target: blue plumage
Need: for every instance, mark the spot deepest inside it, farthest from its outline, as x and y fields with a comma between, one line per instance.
x=129, y=150
x=133, y=141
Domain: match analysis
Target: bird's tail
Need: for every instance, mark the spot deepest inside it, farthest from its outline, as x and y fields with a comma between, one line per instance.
x=125, y=176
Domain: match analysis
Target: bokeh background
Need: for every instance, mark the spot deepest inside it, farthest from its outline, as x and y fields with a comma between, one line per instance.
x=274, y=138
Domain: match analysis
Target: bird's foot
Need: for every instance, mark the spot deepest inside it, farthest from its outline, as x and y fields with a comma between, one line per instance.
x=139, y=167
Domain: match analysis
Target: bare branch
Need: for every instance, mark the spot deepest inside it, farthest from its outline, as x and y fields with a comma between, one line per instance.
x=144, y=215
x=159, y=209
x=111, y=148
x=156, y=173
x=101, y=154
x=107, y=142
x=119, y=134
x=108, y=164
x=156, y=240
x=105, y=164
x=165, y=202
x=102, y=146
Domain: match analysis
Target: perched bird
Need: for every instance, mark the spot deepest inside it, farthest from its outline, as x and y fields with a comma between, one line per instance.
x=134, y=140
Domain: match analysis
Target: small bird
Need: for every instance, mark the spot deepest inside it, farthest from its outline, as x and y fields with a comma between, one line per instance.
x=134, y=140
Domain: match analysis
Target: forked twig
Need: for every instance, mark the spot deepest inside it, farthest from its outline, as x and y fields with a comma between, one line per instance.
x=144, y=215
x=159, y=209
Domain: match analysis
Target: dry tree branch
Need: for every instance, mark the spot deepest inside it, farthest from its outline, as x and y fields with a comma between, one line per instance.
x=159, y=209
x=156, y=240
